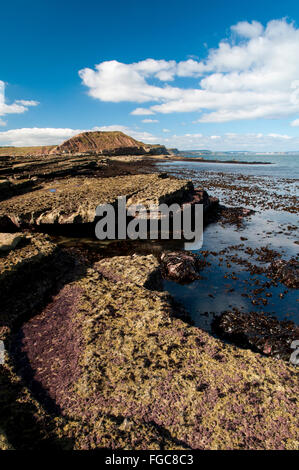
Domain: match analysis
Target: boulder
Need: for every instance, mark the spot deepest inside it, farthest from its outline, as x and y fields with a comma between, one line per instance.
x=181, y=266
x=199, y=196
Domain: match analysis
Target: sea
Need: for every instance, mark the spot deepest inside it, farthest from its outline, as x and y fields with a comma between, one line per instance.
x=271, y=189
x=282, y=165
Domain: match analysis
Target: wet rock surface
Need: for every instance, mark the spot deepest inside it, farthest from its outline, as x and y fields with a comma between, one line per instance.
x=181, y=266
x=243, y=190
x=199, y=196
x=259, y=332
x=233, y=215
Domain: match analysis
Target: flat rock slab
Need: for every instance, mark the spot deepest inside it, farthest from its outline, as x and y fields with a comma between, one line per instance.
x=75, y=201
x=8, y=241
x=36, y=247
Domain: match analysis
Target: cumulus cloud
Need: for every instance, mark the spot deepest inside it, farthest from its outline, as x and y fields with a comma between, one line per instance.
x=149, y=121
x=252, y=74
x=248, y=30
x=137, y=134
x=18, y=107
x=114, y=81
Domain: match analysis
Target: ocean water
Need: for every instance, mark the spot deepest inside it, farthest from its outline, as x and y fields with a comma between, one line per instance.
x=225, y=284
x=283, y=166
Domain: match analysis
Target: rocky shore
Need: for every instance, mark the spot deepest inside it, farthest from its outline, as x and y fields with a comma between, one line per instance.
x=97, y=353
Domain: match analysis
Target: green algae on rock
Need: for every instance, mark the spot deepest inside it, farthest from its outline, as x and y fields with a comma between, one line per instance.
x=27, y=275
x=74, y=201
x=138, y=368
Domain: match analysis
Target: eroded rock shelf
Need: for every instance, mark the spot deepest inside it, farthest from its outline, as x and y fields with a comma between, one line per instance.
x=98, y=355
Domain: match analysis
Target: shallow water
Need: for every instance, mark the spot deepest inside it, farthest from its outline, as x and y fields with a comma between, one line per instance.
x=285, y=166
x=226, y=284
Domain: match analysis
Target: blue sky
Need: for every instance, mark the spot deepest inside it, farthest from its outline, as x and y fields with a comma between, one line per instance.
x=188, y=74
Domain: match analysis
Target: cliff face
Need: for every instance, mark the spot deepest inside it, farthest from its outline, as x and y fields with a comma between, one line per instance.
x=106, y=143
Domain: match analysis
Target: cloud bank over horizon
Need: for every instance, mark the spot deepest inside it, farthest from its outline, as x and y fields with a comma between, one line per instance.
x=252, y=74
x=192, y=141
x=36, y=136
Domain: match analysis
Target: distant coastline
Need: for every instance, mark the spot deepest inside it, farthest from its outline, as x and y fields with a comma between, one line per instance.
x=197, y=159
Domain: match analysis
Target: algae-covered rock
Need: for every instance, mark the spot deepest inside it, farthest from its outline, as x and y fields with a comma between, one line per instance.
x=136, y=373
x=27, y=275
x=181, y=266
x=74, y=201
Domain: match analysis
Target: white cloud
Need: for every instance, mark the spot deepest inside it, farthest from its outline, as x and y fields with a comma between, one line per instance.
x=253, y=74
x=142, y=112
x=280, y=136
x=248, y=30
x=27, y=102
x=54, y=136
x=114, y=81
x=295, y=123
x=35, y=136
x=232, y=141
x=135, y=133
x=18, y=107
x=149, y=121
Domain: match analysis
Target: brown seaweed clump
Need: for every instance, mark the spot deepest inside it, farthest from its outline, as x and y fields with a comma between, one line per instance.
x=259, y=332
x=286, y=272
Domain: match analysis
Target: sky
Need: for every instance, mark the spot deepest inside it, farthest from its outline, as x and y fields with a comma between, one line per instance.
x=190, y=74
